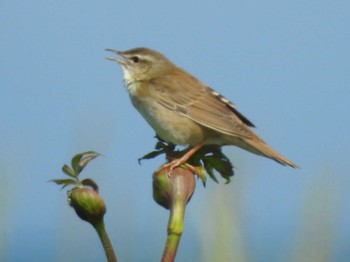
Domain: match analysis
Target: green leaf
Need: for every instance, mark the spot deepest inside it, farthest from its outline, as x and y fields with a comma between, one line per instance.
x=209, y=168
x=91, y=183
x=86, y=159
x=77, y=167
x=160, y=145
x=151, y=155
x=223, y=166
x=75, y=162
x=68, y=171
x=65, y=182
x=201, y=174
x=211, y=158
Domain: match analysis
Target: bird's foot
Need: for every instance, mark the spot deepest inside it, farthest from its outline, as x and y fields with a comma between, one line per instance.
x=174, y=164
x=181, y=161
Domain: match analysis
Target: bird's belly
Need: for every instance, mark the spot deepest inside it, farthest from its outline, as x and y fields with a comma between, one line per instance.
x=169, y=125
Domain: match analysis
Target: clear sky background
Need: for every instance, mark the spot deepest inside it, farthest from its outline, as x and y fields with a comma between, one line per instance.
x=285, y=64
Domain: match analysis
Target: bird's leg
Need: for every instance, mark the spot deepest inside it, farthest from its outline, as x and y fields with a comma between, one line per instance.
x=180, y=161
x=186, y=156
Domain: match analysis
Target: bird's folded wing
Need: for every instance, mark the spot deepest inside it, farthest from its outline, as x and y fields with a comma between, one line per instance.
x=192, y=99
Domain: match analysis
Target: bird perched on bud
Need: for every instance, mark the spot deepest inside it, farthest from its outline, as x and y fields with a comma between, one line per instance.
x=184, y=111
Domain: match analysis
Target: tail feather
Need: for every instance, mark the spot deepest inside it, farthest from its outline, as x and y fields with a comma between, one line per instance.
x=261, y=148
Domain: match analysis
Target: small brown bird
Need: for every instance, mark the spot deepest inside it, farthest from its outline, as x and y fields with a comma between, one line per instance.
x=184, y=111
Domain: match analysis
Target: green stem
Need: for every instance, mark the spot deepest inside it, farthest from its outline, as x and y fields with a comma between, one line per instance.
x=106, y=243
x=175, y=227
x=173, y=191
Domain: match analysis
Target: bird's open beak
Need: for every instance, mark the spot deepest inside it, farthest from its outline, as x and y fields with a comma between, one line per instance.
x=119, y=61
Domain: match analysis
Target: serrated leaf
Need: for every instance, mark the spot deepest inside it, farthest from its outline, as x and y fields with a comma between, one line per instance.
x=86, y=159
x=221, y=156
x=161, y=147
x=77, y=158
x=151, y=155
x=209, y=168
x=68, y=171
x=228, y=180
x=64, y=182
x=91, y=183
x=222, y=166
x=75, y=162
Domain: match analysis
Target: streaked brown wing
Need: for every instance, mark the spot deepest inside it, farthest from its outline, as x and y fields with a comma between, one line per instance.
x=192, y=99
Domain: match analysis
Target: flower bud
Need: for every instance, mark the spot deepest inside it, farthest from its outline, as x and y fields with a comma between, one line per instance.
x=87, y=203
x=178, y=186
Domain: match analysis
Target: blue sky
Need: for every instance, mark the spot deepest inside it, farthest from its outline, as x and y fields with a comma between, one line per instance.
x=284, y=64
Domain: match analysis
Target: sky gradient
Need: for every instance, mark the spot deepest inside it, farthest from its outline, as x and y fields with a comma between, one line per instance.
x=284, y=64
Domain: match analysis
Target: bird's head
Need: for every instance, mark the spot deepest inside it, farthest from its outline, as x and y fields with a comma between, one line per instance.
x=141, y=63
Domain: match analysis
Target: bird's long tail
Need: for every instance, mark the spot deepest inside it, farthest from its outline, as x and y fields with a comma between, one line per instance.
x=261, y=148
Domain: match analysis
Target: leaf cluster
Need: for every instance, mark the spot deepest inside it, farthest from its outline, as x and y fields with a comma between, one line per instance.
x=78, y=163
x=209, y=159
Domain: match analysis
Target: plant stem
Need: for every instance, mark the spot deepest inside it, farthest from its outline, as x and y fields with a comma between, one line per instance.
x=106, y=243
x=175, y=227
x=182, y=184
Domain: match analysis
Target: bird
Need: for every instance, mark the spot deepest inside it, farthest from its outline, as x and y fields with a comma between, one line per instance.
x=184, y=111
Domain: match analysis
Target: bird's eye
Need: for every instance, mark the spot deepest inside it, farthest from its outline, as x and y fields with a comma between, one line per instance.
x=135, y=59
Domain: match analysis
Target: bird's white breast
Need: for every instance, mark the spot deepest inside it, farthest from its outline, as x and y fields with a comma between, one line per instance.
x=168, y=124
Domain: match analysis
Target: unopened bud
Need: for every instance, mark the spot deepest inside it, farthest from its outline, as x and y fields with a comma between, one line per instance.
x=88, y=204
x=179, y=185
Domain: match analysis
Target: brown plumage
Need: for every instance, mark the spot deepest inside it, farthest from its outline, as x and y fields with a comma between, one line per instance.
x=184, y=111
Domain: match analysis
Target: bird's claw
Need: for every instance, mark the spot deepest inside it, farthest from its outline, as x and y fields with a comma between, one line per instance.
x=174, y=164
